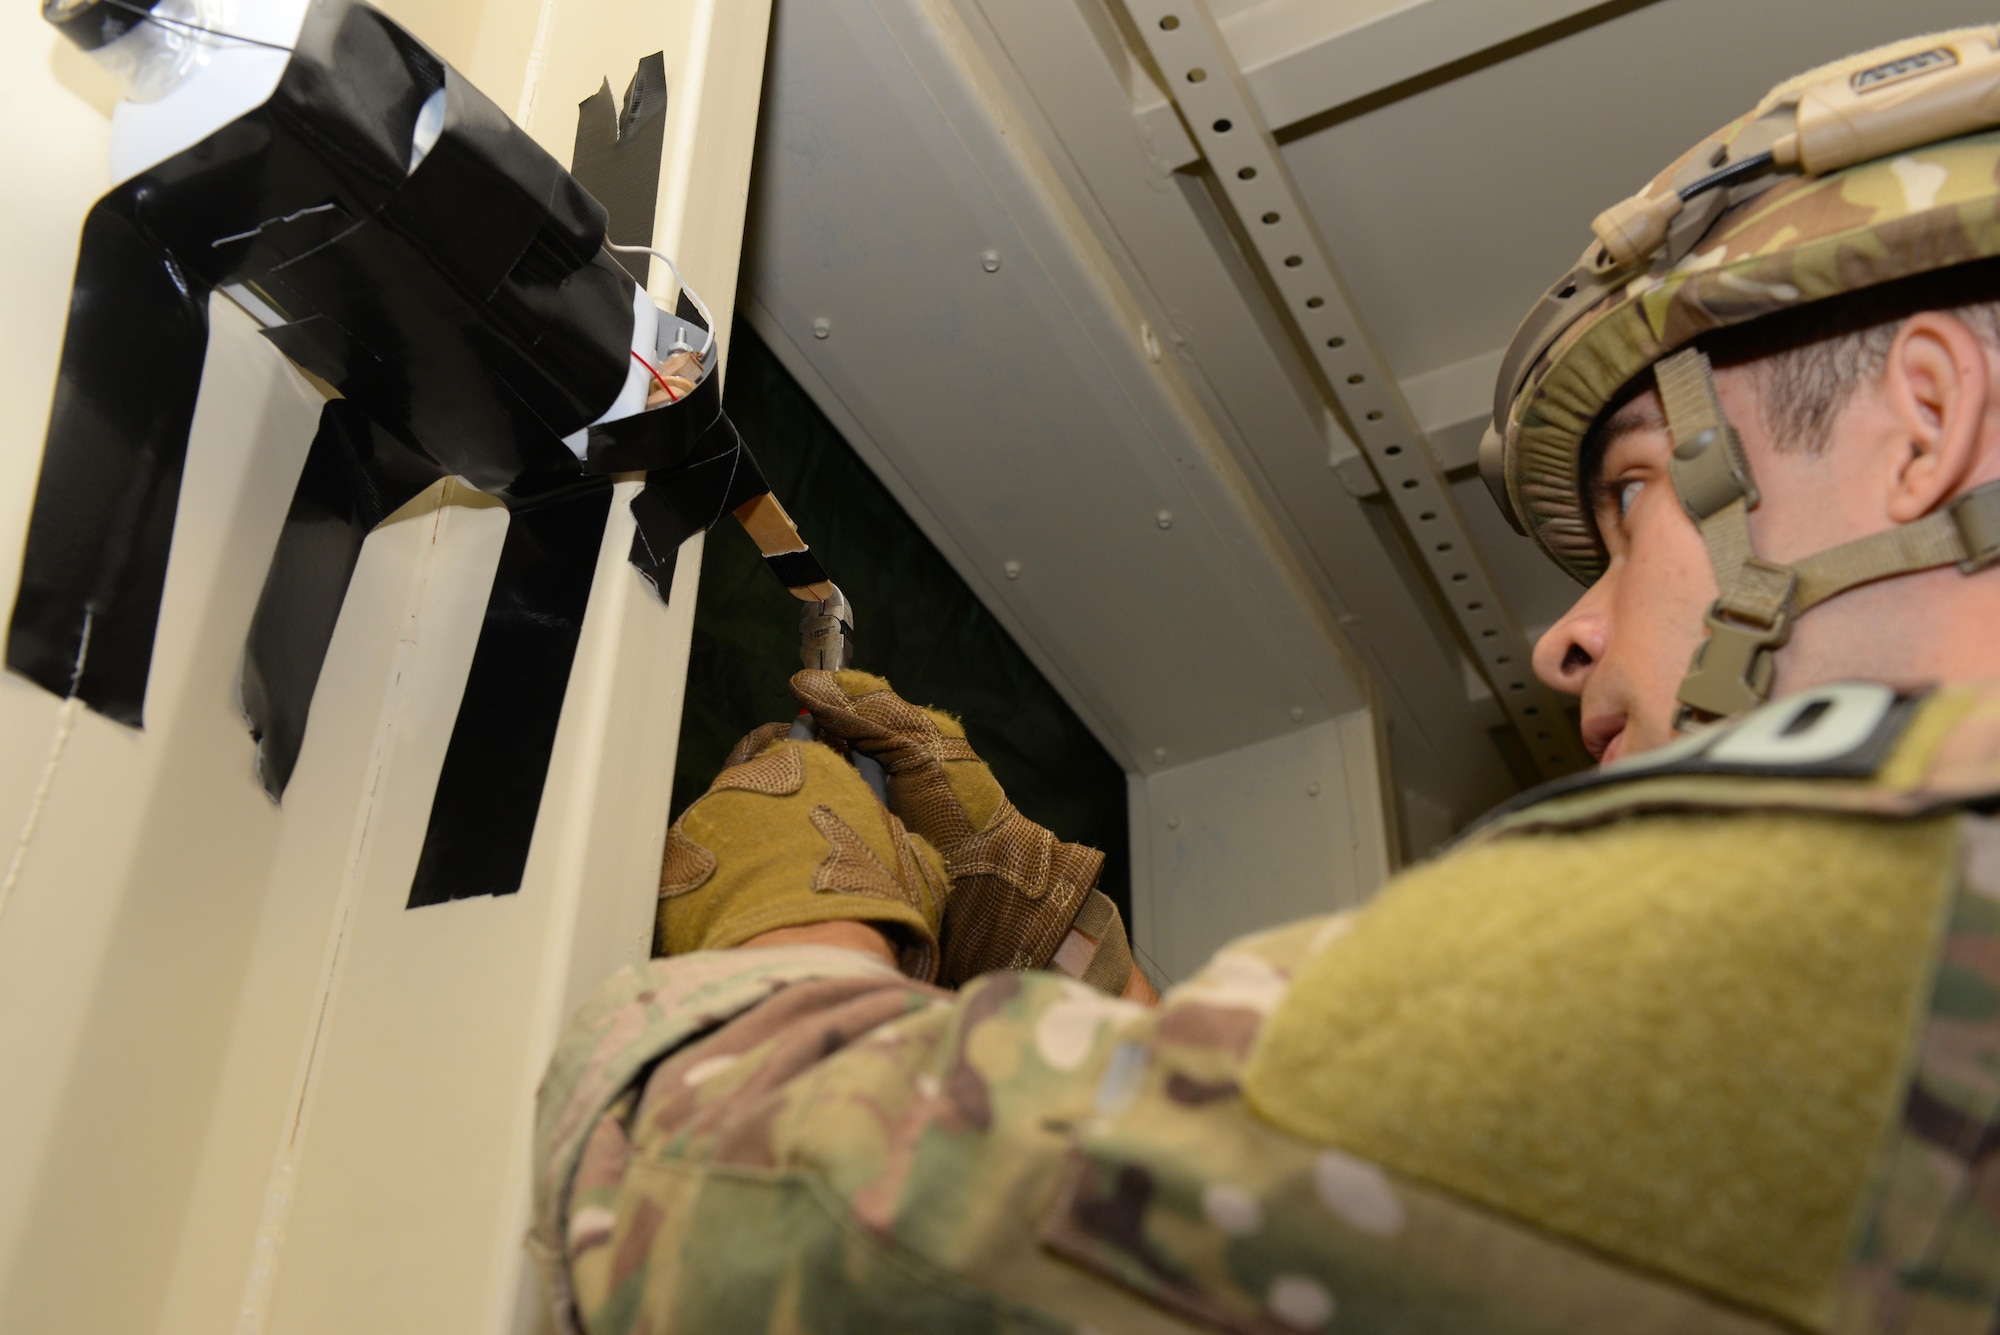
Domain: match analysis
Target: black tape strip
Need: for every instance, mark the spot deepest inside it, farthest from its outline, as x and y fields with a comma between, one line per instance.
x=467, y=305
x=690, y=312
x=661, y=437
x=473, y=309
x=718, y=475
x=617, y=157
x=483, y=817
x=356, y=474
x=657, y=539
x=489, y=793
x=795, y=570
x=103, y=520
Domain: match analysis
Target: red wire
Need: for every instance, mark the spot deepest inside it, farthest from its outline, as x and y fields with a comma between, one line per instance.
x=671, y=396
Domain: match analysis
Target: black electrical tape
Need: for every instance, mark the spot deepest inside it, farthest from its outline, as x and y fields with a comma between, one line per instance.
x=661, y=437
x=489, y=792
x=657, y=538
x=482, y=820
x=470, y=318
x=103, y=519
x=796, y=570
x=687, y=310
x=617, y=156
x=357, y=473
x=718, y=476
x=475, y=309
x=468, y=306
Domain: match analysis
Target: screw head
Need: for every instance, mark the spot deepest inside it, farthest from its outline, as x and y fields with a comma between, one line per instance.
x=1011, y=569
x=990, y=261
x=1165, y=519
x=822, y=327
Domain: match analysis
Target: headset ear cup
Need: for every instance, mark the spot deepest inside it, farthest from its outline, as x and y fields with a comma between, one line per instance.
x=1493, y=472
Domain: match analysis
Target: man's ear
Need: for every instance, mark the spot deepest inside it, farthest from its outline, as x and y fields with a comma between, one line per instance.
x=1938, y=389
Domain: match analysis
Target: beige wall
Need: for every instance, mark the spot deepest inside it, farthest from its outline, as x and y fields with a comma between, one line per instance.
x=1247, y=840
x=245, y=1089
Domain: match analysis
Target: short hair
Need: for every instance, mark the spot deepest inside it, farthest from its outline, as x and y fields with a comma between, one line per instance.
x=1808, y=362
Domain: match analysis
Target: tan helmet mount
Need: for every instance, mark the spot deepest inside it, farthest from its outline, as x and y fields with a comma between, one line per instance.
x=1760, y=601
x=1921, y=97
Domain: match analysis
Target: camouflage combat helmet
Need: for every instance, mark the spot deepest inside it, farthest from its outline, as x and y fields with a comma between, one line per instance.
x=1881, y=167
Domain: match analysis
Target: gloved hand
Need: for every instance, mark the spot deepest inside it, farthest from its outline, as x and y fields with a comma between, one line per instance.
x=789, y=835
x=1016, y=890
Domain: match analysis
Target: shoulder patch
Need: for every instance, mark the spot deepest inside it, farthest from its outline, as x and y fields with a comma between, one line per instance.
x=1843, y=731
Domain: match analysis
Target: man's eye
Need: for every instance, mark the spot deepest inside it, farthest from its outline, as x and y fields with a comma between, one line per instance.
x=1628, y=496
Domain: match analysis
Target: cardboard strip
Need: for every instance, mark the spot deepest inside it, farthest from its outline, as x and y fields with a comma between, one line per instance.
x=785, y=554
x=769, y=525
x=483, y=818
x=357, y=473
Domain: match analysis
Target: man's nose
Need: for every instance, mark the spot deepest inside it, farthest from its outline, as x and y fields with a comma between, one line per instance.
x=1570, y=650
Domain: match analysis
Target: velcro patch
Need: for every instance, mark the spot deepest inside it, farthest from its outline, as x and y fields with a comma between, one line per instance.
x=1843, y=731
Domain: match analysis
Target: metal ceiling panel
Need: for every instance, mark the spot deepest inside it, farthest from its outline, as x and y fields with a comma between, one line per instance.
x=916, y=260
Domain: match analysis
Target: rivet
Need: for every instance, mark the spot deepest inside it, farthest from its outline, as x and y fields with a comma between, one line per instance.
x=1312, y=789
x=1298, y=713
x=1173, y=822
x=990, y=261
x=1159, y=753
x=1012, y=569
x=1165, y=519
x=822, y=327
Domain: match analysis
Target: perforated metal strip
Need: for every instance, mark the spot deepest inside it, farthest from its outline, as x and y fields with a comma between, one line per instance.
x=1202, y=79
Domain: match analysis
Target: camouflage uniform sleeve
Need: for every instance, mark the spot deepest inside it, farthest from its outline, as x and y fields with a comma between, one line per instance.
x=775, y=1140
x=775, y=1146
x=633, y=1019
x=771, y=1141
x=806, y=1141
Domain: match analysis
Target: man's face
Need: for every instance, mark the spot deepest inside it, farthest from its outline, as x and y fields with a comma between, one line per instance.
x=1903, y=443
x=1625, y=644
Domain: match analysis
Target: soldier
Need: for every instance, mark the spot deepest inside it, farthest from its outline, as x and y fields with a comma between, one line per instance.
x=1708, y=1040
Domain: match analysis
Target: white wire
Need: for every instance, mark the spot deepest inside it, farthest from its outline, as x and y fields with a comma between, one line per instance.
x=692, y=295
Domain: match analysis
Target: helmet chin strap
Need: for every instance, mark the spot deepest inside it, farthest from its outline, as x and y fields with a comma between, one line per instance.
x=1761, y=600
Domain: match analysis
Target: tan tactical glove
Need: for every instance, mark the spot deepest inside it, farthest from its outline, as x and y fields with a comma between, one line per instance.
x=1016, y=889
x=789, y=835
